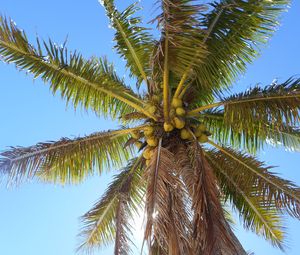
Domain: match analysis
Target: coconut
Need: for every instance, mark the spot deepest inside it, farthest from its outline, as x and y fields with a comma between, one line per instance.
x=136, y=134
x=152, y=141
x=180, y=111
x=148, y=162
x=197, y=132
x=176, y=102
x=147, y=153
x=202, y=127
x=152, y=109
x=168, y=127
x=156, y=98
x=138, y=144
x=185, y=134
x=203, y=138
x=148, y=131
x=179, y=123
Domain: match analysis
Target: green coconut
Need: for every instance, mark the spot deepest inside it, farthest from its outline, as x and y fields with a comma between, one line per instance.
x=203, y=138
x=176, y=102
x=179, y=123
x=168, y=127
x=152, y=141
x=197, y=132
x=202, y=127
x=180, y=111
x=185, y=134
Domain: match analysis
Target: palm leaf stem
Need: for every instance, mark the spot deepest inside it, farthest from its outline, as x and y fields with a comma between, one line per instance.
x=253, y=170
x=166, y=79
x=209, y=106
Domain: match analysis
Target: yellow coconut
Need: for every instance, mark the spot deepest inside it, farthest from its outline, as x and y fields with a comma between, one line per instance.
x=180, y=111
x=185, y=134
x=138, y=144
x=148, y=162
x=152, y=109
x=136, y=134
x=176, y=102
x=148, y=131
x=147, y=153
x=203, y=138
x=168, y=127
x=152, y=141
x=179, y=123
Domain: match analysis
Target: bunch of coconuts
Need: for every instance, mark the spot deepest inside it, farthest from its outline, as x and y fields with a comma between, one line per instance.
x=177, y=116
x=151, y=140
x=177, y=120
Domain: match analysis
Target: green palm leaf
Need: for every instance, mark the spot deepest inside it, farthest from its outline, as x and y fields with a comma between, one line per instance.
x=108, y=219
x=68, y=160
x=258, y=216
x=274, y=191
x=134, y=43
x=237, y=29
x=92, y=84
x=252, y=139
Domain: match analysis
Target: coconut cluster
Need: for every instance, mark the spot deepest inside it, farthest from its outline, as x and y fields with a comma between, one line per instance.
x=147, y=137
x=151, y=141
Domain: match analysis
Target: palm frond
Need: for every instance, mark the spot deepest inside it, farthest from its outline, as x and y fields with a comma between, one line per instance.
x=181, y=27
x=250, y=137
x=167, y=221
x=238, y=28
x=251, y=173
x=210, y=233
x=108, y=219
x=134, y=43
x=67, y=160
x=93, y=84
x=264, y=219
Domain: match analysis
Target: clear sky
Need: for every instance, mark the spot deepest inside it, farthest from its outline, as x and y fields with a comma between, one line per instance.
x=43, y=219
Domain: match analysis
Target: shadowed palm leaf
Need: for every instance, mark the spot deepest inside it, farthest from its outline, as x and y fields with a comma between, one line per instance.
x=183, y=185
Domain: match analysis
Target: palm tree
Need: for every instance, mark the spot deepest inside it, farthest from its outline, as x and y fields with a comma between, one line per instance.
x=190, y=150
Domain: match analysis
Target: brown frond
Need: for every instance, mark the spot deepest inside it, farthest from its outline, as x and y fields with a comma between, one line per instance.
x=210, y=233
x=167, y=219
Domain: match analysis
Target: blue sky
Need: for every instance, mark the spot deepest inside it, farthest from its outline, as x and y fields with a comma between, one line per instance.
x=44, y=219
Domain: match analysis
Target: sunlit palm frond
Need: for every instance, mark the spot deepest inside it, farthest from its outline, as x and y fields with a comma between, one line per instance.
x=251, y=173
x=238, y=28
x=262, y=218
x=68, y=160
x=250, y=137
x=93, y=83
x=110, y=218
x=133, y=42
x=167, y=219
